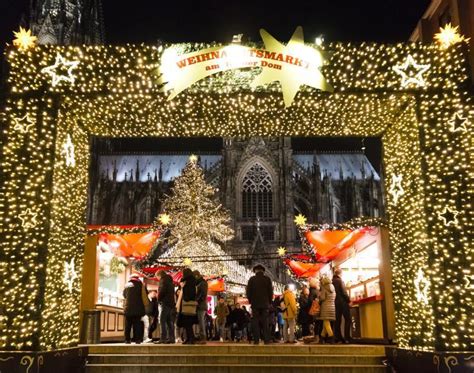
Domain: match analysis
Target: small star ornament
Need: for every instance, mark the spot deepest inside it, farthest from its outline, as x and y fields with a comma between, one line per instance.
x=68, y=151
x=24, y=40
x=469, y=281
x=449, y=216
x=422, y=286
x=187, y=262
x=396, y=189
x=281, y=251
x=70, y=274
x=411, y=72
x=29, y=219
x=458, y=123
x=164, y=219
x=300, y=220
x=61, y=64
x=23, y=124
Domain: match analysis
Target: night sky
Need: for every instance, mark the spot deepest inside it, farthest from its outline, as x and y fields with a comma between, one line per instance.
x=147, y=21
x=217, y=20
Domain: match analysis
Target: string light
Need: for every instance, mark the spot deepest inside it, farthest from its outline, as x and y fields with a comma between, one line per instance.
x=115, y=93
x=396, y=188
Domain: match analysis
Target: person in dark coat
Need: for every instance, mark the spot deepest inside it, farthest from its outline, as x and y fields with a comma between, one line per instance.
x=188, y=290
x=314, y=295
x=239, y=321
x=167, y=302
x=153, y=313
x=134, y=310
x=260, y=295
x=201, y=298
x=342, y=308
x=304, y=319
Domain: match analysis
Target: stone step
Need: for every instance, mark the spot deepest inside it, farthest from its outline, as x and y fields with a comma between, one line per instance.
x=240, y=349
x=232, y=368
x=253, y=359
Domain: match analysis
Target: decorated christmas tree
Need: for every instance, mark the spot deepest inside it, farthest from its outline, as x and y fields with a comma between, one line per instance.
x=198, y=226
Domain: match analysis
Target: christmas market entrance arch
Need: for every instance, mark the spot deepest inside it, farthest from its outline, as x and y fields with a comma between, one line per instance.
x=413, y=96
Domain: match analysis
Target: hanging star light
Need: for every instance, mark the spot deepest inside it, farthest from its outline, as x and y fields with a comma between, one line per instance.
x=449, y=216
x=449, y=35
x=300, y=220
x=422, y=286
x=24, y=40
x=396, y=188
x=187, y=262
x=28, y=219
x=164, y=219
x=281, y=251
x=292, y=75
x=458, y=123
x=70, y=274
x=411, y=72
x=60, y=64
x=23, y=124
x=68, y=151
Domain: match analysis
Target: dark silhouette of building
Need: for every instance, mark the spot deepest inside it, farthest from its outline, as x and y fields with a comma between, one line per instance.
x=67, y=22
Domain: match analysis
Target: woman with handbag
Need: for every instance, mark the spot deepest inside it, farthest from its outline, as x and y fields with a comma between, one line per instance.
x=187, y=305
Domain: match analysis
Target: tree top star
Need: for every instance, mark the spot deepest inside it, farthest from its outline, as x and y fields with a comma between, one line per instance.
x=411, y=72
x=300, y=65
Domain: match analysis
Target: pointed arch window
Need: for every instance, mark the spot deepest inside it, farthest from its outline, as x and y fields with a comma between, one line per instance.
x=257, y=193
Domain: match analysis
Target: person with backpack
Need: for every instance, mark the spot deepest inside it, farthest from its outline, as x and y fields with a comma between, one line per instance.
x=289, y=315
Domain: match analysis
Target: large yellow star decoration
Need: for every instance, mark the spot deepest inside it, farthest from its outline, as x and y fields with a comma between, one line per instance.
x=29, y=219
x=61, y=71
x=281, y=251
x=24, y=40
x=289, y=70
x=449, y=35
x=300, y=220
x=187, y=262
x=23, y=124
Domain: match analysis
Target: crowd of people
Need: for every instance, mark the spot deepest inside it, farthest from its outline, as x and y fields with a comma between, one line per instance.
x=314, y=316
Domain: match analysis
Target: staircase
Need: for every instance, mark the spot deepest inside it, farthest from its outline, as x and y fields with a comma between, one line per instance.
x=235, y=358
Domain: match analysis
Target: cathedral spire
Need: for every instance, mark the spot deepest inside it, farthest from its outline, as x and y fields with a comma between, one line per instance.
x=67, y=22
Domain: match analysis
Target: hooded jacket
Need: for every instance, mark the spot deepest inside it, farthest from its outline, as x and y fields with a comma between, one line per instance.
x=290, y=303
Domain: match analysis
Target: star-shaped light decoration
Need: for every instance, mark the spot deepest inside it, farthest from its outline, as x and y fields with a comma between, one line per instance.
x=24, y=40
x=23, y=124
x=70, y=274
x=458, y=123
x=396, y=188
x=300, y=220
x=411, y=72
x=469, y=280
x=68, y=151
x=281, y=251
x=61, y=64
x=422, y=286
x=187, y=262
x=164, y=219
x=193, y=158
x=290, y=75
x=449, y=216
x=449, y=35
x=29, y=219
